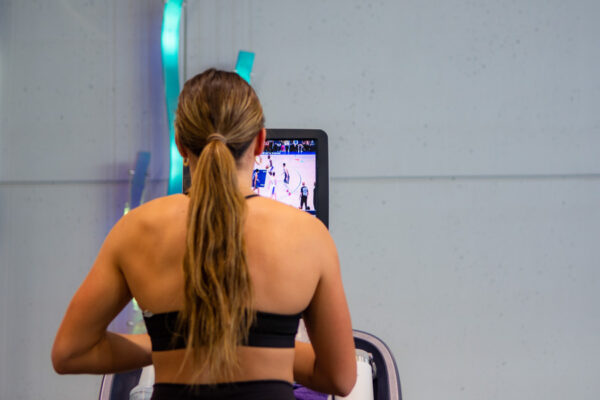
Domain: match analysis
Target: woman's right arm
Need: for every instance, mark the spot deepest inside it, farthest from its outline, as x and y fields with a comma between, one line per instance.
x=328, y=363
x=82, y=343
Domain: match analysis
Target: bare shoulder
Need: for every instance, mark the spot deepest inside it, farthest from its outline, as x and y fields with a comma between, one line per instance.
x=297, y=231
x=156, y=212
x=149, y=221
x=285, y=217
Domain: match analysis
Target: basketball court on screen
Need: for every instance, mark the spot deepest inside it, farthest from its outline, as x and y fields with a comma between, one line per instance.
x=285, y=183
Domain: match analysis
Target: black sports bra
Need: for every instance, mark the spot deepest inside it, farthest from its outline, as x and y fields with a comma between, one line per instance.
x=268, y=330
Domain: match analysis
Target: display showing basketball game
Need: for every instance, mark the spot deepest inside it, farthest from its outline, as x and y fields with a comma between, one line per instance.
x=285, y=171
x=293, y=169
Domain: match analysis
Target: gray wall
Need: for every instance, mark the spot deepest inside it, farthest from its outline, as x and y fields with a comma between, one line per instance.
x=463, y=149
x=80, y=93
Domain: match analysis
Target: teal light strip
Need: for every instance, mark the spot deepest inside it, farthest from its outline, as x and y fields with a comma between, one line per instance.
x=243, y=67
x=170, y=61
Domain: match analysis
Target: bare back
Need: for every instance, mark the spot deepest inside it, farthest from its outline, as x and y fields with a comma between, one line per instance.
x=285, y=249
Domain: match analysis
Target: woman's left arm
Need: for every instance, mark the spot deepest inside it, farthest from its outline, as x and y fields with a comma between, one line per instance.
x=82, y=344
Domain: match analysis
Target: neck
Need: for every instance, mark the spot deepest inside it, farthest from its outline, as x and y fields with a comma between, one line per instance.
x=244, y=174
x=245, y=181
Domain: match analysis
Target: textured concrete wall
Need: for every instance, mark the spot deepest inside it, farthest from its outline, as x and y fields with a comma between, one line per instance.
x=463, y=148
x=80, y=94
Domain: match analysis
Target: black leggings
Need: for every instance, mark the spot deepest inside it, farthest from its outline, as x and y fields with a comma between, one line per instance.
x=250, y=390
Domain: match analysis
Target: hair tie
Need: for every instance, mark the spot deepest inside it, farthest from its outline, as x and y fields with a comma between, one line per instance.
x=216, y=136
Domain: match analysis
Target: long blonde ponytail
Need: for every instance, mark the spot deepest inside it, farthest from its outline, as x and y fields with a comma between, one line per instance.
x=218, y=116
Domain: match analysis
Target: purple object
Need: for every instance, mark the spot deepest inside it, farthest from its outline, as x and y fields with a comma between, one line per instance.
x=304, y=393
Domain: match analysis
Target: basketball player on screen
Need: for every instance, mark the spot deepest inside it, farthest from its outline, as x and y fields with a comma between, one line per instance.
x=273, y=184
x=304, y=196
x=286, y=180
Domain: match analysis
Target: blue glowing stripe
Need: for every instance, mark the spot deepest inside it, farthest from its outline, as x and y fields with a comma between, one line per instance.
x=170, y=60
x=138, y=180
x=243, y=67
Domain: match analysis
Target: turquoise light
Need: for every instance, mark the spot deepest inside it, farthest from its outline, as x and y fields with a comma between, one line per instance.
x=243, y=67
x=170, y=61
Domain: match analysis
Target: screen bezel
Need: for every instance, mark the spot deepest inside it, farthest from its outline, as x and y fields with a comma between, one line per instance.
x=321, y=166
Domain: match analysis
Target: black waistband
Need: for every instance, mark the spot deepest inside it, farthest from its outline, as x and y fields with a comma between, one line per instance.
x=248, y=390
